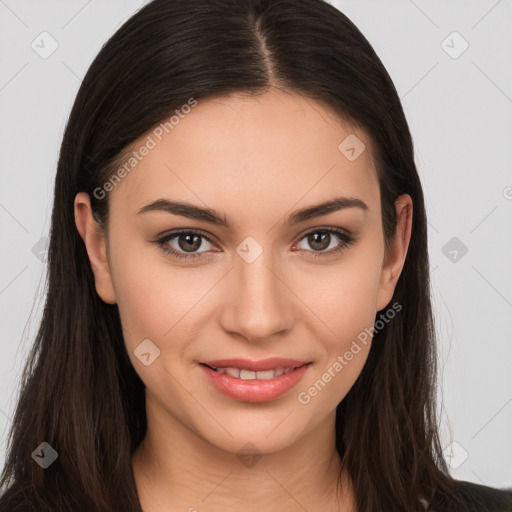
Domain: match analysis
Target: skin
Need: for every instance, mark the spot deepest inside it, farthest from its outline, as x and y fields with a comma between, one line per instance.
x=255, y=160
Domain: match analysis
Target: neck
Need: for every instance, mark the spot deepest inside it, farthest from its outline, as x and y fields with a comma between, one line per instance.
x=175, y=469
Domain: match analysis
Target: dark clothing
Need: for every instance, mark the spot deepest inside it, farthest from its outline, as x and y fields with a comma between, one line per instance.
x=479, y=498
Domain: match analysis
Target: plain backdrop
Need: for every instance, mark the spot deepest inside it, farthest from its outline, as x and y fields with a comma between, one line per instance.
x=451, y=64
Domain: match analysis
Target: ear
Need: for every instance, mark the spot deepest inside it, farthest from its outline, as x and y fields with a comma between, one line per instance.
x=395, y=258
x=95, y=243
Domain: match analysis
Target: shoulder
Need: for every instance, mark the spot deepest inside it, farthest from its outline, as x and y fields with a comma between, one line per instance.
x=477, y=498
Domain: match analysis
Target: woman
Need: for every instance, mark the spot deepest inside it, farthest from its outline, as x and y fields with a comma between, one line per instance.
x=238, y=314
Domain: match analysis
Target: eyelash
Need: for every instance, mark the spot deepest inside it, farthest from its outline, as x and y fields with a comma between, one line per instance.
x=345, y=239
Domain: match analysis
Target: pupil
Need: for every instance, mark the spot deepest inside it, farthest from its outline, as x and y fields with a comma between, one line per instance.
x=315, y=242
x=188, y=237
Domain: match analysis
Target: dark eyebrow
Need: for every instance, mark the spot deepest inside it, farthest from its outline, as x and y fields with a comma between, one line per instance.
x=213, y=217
x=339, y=203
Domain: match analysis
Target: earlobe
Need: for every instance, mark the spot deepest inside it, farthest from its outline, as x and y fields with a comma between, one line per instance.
x=395, y=259
x=95, y=243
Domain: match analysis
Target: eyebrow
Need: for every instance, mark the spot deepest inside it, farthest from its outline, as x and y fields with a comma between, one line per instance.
x=191, y=211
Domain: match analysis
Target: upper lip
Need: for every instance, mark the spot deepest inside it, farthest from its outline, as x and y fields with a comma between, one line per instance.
x=263, y=365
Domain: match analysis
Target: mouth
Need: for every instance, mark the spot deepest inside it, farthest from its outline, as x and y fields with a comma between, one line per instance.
x=245, y=374
x=254, y=381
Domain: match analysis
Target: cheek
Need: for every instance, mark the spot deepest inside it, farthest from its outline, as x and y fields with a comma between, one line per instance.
x=343, y=297
x=161, y=302
x=344, y=300
x=345, y=350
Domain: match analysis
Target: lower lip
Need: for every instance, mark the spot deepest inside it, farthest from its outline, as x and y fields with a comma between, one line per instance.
x=255, y=390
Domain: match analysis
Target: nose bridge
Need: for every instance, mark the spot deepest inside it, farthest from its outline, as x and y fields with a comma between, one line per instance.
x=260, y=303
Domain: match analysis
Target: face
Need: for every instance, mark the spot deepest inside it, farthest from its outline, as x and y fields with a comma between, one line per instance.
x=266, y=283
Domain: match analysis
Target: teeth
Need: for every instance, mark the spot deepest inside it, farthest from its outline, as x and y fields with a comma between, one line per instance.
x=234, y=372
x=242, y=374
x=268, y=374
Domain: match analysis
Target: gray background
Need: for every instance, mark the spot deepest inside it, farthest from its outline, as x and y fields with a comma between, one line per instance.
x=459, y=107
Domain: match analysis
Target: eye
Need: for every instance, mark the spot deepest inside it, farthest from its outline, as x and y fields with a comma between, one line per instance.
x=185, y=240
x=321, y=239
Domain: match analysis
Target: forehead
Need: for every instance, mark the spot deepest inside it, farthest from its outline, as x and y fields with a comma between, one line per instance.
x=253, y=154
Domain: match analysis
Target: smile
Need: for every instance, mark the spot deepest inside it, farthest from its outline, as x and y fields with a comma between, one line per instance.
x=243, y=374
x=254, y=382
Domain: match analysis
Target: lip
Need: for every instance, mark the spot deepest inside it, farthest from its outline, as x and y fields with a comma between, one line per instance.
x=254, y=391
x=256, y=366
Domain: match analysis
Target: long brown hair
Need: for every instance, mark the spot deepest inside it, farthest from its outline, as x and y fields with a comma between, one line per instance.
x=79, y=391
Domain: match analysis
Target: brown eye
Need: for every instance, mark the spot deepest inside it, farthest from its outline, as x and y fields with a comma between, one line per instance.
x=183, y=244
x=321, y=240
x=190, y=242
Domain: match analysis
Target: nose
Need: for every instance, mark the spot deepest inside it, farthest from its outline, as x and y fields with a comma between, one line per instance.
x=259, y=304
